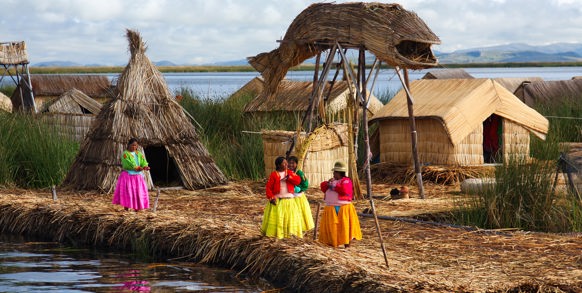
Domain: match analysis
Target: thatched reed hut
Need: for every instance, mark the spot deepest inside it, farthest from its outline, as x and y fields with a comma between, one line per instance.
x=293, y=97
x=49, y=87
x=551, y=92
x=453, y=123
x=72, y=113
x=144, y=109
x=394, y=35
x=516, y=84
x=447, y=73
x=320, y=150
x=5, y=103
x=251, y=89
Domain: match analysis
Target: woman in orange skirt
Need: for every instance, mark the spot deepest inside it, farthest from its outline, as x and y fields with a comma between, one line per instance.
x=339, y=223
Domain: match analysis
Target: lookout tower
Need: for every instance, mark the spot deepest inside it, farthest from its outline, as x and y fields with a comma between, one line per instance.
x=14, y=60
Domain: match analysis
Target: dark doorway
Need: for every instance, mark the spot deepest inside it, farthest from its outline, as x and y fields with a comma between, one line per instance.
x=492, y=139
x=163, y=168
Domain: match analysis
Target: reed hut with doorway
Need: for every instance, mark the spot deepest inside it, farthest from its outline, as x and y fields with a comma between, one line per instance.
x=5, y=103
x=447, y=73
x=292, y=98
x=318, y=151
x=49, y=87
x=453, y=122
x=72, y=113
x=144, y=109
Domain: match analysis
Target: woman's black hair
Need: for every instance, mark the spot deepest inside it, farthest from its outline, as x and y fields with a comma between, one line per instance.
x=293, y=159
x=279, y=161
x=131, y=140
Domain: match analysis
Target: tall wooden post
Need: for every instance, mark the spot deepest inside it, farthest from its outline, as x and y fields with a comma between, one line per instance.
x=413, y=134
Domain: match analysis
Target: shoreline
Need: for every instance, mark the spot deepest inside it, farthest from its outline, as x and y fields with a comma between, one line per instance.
x=220, y=226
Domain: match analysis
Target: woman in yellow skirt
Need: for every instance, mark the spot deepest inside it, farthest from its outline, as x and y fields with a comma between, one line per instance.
x=339, y=223
x=300, y=198
x=282, y=217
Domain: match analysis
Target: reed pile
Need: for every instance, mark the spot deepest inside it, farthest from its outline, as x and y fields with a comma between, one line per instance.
x=220, y=226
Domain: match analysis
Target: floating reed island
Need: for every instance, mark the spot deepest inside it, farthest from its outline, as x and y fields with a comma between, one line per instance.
x=220, y=226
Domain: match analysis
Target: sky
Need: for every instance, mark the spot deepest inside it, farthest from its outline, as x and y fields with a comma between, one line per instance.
x=209, y=31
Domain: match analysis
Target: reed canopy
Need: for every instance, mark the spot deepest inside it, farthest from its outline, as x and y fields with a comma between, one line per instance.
x=396, y=36
x=294, y=96
x=455, y=119
x=12, y=53
x=317, y=151
x=145, y=109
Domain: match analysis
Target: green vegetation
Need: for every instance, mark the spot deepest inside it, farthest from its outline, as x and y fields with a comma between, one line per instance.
x=32, y=155
x=523, y=196
x=230, y=136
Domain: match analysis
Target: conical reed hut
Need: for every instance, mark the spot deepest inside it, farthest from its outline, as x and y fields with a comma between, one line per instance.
x=145, y=109
x=318, y=151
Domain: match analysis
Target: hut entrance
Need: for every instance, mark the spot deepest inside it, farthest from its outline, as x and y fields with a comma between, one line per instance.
x=492, y=139
x=164, y=171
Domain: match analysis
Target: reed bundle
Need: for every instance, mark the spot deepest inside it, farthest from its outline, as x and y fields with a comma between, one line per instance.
x=224, y=231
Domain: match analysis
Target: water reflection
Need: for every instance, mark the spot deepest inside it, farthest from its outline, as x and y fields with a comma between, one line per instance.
x=51, y=267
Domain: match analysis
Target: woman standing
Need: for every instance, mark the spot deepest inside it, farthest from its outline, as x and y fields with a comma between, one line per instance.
x=131, y=190
x=299, y=196
x=339, y=223
x=282, y=217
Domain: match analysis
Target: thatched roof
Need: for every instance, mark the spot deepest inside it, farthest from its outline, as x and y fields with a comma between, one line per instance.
x=144, y=109
x=447, y=73
x=252, y=88
x=394, y=35
x=5, y=103
x=73, y=101
x=293, y=96
x=554, y=91
x=515, y=84
x=12, y=53
x=462, y=105
x=57, y=84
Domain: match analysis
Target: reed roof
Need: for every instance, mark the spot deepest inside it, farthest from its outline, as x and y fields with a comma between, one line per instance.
x=461, y=105
x=57, y=84
x=394, y=35
x=554, y=91
x=513, y=84
x=295, y=95
x=447, y=73
x=73, y=101
x=144, y=109
x=12, y=53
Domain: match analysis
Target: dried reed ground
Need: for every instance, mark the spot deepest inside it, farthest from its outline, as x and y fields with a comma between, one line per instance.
x=221, y=226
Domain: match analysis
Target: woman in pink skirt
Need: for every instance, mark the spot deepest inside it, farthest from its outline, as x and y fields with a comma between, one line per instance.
x=131, y=190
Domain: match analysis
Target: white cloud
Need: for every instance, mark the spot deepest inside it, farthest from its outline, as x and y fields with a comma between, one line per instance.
x=202, y=31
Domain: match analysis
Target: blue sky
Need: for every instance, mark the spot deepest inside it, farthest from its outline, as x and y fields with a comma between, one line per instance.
x=207, y=31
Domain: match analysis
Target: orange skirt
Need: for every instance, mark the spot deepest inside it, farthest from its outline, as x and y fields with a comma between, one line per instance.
x=339, y=228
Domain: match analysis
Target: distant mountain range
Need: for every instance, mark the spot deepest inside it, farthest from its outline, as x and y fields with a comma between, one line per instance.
x=516, y=52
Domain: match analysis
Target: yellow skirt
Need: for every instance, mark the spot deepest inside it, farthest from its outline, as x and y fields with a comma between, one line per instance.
x=305, y=209
x=339, y=228
x=282, y=220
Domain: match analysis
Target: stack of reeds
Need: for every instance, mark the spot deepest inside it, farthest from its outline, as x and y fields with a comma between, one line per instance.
x=144, y=109
x=13, y=53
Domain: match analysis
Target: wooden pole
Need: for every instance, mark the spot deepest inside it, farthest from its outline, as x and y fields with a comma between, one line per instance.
x=413, y=134
x=157, y=198
x=54, y=191
x=316, y=221
x=363, y=86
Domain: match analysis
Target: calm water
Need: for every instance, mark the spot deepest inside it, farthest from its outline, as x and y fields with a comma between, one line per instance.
x=27, y=266
x=222, y=84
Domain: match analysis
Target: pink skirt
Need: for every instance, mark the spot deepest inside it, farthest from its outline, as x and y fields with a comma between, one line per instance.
x=131, y=192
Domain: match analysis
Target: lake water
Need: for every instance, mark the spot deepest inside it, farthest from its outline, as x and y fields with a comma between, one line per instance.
x=222, y=84
x=28, y=266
